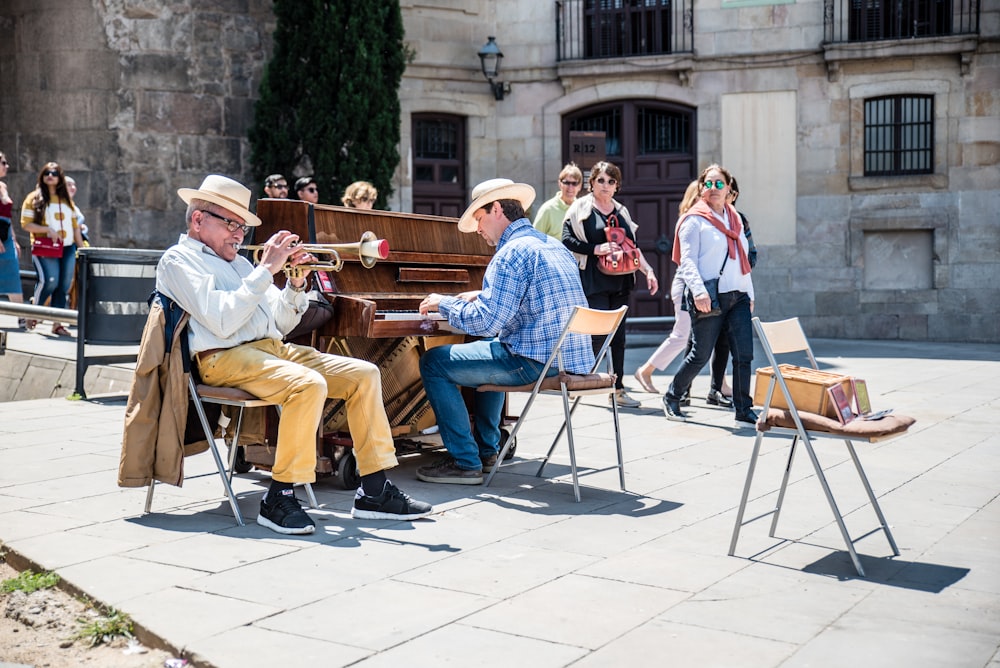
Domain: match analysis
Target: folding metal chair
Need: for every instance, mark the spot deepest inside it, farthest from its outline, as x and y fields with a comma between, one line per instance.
x=225, y=396
x=784, y=337
x=588, y=322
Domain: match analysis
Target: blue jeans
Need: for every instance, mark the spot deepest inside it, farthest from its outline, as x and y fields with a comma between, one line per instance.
x=55, y=276
x=734, y=322
x=446, y=369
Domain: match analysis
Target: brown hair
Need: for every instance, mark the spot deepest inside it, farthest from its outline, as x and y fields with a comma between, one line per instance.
x=359, y=190
x=42, y=197
x=609, y=168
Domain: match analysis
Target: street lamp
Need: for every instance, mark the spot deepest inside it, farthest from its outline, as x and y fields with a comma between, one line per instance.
x=489, y=58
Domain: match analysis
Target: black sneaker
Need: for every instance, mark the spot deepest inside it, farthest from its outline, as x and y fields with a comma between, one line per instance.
x=285, y=515
x=672, y=409
x=746, y=418
x=447, y=471
x=392, y=504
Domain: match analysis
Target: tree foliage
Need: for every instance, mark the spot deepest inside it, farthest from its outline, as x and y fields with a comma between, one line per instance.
x=329, y=102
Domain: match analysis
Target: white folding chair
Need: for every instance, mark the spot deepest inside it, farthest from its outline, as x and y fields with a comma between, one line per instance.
x=784, y=337
x=225, y=396
x=583, y=321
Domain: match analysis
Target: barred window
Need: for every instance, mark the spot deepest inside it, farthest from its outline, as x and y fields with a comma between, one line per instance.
x=899, y=135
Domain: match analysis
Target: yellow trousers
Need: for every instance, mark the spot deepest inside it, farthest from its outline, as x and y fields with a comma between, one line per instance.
x=300, y=379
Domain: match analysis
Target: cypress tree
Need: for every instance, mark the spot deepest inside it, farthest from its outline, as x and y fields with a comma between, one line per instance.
x=329, y=97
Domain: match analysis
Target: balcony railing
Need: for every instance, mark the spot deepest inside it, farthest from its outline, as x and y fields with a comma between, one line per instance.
x=587, y=29
x=874, y=20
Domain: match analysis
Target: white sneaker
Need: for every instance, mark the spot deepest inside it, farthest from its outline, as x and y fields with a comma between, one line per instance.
x=624, y=400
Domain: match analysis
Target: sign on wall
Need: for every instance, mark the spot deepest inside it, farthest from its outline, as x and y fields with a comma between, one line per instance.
x=587, y=149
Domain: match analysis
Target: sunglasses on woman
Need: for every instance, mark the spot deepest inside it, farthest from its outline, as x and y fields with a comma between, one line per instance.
x=719, y=184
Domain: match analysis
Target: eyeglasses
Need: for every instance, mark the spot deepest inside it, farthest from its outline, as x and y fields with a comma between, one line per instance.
x=311, y=189
x=4, y=163
x=49, y=172
x=571, y=184
x=609, y=181
x=719, y=184
x=231, y=225
x=280, y=186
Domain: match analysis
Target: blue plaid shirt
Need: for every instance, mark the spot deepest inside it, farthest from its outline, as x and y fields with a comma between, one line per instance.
x=529, y=291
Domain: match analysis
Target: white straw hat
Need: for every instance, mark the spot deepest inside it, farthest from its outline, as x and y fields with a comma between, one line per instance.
x=491, y=191
x=230, y=195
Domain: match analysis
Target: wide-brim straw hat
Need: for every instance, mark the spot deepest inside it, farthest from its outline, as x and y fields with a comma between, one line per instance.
x=491, y=191
x=230, y=195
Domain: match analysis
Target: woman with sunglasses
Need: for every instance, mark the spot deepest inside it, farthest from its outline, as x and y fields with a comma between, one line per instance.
x=360, y=195
x=552, y=212
x=709, y=244
x=10, y=267
x=583, y=233
x=48, y=211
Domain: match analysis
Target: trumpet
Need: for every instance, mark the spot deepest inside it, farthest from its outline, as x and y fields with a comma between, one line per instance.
x=369, y=250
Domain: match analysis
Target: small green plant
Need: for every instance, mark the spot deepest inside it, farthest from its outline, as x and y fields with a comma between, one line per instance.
x=28, y=582
x=105, y=628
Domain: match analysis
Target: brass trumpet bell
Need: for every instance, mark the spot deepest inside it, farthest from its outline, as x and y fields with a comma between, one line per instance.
x=369, y=250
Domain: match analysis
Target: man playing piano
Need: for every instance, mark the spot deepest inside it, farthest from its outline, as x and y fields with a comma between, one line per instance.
x=529, y=290
x=238, y=319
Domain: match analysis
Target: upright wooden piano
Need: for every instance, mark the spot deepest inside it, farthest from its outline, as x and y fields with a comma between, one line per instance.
x=376, y=314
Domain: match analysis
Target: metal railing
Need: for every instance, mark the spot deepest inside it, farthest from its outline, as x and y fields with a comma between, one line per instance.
x=875, y=20
x=588, y=29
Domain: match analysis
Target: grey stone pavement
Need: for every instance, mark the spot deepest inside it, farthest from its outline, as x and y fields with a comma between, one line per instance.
x=520, y=574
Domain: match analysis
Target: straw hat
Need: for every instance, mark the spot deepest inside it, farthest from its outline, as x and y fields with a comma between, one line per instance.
x=491, y=191
x=230, y=195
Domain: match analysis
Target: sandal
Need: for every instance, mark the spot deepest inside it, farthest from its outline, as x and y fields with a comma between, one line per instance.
x=59, y=330
x=28, y=324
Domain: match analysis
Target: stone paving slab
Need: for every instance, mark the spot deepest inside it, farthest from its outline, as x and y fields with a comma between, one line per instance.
x=518, y=573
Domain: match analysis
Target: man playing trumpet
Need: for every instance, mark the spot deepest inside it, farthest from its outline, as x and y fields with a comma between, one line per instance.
x=238, y=320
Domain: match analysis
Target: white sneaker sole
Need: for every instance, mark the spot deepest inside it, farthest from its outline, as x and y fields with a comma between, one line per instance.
x=376, y=515
x=450, y=480
x=288, y=531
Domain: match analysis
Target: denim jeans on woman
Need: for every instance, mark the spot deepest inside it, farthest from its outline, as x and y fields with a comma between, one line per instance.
x=447, y=369
x=735, y=320
x=55, y=276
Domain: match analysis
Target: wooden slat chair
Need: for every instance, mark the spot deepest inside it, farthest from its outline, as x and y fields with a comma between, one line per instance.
x=588, y=322
x=784, y=337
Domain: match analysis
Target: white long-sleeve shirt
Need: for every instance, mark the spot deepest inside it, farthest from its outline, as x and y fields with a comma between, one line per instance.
x=230, y=303
x=703, y=250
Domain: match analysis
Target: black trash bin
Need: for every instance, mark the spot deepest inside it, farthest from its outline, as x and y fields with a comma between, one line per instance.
x=113, y=288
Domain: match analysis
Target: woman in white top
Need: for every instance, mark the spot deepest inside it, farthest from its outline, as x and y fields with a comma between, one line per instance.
x=48, y=211
x=710, y=244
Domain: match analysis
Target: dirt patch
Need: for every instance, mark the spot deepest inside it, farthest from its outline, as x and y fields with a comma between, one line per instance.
x=37, y=629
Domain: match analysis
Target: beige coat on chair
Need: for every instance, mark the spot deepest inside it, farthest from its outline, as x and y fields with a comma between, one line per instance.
x=156, y=414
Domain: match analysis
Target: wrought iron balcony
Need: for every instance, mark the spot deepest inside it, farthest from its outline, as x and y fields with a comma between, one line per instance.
x=588, y=29
x=874, y=20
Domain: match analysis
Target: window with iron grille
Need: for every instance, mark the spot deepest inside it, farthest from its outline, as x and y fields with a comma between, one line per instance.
x=608, y=121
x=437, y=148
x=899, y=19
x=662, y=131
x=899, y=135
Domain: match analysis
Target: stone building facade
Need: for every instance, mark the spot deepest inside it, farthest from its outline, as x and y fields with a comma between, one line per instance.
x=136, y=98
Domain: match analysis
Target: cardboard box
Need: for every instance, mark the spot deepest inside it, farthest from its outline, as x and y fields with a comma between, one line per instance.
x=808, y=388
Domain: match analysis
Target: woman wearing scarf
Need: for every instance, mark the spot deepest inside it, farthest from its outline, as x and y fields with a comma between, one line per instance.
x=710, y=244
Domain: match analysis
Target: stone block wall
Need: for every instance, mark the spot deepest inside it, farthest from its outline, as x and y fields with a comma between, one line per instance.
x=134, y=98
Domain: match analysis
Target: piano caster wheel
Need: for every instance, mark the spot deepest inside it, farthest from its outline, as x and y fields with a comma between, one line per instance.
x=240, y=464
x=347, y=469
x=504, y=435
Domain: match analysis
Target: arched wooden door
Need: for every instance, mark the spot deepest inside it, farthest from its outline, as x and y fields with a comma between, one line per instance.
x=653, y=143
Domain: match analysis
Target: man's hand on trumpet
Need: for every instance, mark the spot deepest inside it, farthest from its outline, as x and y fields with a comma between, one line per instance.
x=282, y=249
